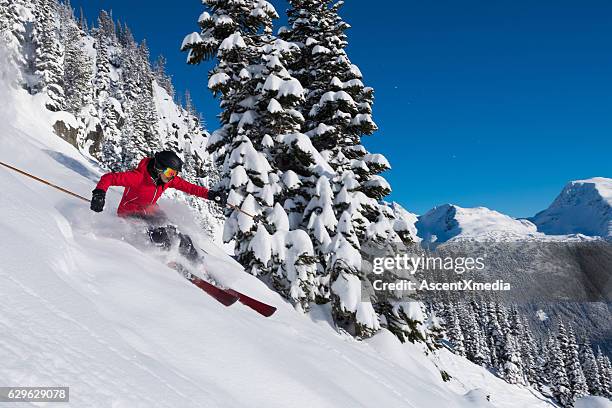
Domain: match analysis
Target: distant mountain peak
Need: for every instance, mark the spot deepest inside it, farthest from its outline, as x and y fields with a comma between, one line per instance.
x=582, y=207
x=448, y=221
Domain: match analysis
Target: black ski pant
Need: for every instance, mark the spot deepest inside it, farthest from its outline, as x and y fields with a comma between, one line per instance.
x=165, y=236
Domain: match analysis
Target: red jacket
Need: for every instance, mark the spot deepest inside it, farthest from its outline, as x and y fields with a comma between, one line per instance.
x=141, y=192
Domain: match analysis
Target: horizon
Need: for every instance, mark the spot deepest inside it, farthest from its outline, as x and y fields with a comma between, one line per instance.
x=494, y=98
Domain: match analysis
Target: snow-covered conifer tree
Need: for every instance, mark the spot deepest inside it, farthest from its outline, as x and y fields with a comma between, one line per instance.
x=494, y=335
x=590, y=369
x=511, y=364
x=453, y=329
x=49, y=54
x=573, y=368
x=557, y=375
x=605, y=373
x=338, y=113
x=162, y=78
x=475, y=345
x=108, y=108
x=526, y=344
x=542, y=365
x=233, y=35
x=78, y=73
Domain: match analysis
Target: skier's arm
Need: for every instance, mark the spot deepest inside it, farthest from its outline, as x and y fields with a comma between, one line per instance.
x=189, y=188
x=125, y=179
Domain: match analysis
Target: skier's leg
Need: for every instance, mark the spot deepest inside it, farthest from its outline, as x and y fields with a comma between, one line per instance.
x=186, y=247
x=161, y=237
x=166, y=236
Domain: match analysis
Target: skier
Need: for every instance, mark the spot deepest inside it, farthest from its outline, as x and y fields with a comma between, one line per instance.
x=143, y=187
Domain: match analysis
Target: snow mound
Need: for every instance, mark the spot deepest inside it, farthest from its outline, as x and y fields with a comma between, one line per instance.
x=449, y=221
x=583, y=207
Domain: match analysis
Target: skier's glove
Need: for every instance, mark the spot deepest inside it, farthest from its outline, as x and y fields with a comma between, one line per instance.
x=97, y=200
x=219, y=197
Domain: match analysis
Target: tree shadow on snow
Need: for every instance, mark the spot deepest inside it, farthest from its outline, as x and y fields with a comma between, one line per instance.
x=72, y=164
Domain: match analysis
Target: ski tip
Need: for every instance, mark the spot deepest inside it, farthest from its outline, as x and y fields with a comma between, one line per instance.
x=263, y=309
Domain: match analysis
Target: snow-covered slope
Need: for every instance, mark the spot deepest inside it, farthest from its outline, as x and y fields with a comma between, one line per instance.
x=449, y=221
x=584, y=206
x=85, y=304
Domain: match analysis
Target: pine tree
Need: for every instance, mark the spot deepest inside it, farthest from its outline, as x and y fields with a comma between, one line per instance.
x=78, y=75
x=475, y=344
x=543, y=365
x=48, y=54
x=109, y=109
x=573, y=368
x=259, y=133
x=590, y=369
x=605, y=373
x=162, y=78
x=232, y=34
x=556, y=373
x=495, y=336
x=337, y=112
x=453, y=329
x=531, y=368
x=83, y=21
x=106, y=26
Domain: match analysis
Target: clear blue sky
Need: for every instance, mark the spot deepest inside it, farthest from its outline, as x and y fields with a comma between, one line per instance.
x=479, y=102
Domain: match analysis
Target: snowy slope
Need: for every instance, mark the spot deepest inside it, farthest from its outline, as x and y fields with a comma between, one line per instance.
x=86, y=304
x=173, y=122
x=584, y=206
x=449, y=221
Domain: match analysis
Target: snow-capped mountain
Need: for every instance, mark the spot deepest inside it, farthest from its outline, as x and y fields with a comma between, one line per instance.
x=449, y=221
x=583, y=207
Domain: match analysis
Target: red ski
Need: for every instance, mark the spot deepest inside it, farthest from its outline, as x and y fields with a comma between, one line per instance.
x=260, y=307
x=221, y=295
x=224, y=297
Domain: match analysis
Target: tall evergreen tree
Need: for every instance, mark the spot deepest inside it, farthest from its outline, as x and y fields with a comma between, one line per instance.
x=573, y=368
x=591, y=370
x=475, y=344
x=455, y=334
x=556, y=373
x=256, y=98
x=605, y=373
x=543, y=365
x=49, y=64
x=496, y=338
x=78, y=75
x=525, y=339
x=162, y=78
x=337, y=113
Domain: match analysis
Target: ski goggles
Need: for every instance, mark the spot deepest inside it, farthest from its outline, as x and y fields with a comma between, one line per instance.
x=168, y=172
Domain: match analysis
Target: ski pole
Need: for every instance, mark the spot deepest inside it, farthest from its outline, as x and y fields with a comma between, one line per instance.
x=240, y=209
x=44, y=181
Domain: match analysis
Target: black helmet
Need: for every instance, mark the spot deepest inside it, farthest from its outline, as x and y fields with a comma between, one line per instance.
x=166, y=159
